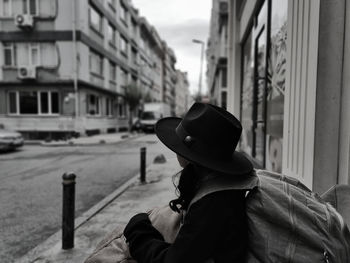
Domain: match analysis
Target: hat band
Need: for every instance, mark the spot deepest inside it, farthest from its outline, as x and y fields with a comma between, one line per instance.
x=199, y=147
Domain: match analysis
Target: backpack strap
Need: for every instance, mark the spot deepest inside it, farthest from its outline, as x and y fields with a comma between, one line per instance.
x=221, y=183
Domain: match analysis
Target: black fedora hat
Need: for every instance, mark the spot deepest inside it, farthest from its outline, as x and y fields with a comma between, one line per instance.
x=207, y=136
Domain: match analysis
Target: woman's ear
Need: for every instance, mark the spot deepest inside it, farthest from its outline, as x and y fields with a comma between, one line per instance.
x=182, y=161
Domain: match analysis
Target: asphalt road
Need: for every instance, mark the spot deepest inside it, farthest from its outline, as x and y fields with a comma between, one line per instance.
x=31, y=186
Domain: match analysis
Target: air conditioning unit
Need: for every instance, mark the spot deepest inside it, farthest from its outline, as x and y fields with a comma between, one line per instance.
x=26, y=72
x=24, y=21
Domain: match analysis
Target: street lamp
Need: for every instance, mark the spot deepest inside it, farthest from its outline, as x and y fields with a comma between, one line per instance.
x=201, y=66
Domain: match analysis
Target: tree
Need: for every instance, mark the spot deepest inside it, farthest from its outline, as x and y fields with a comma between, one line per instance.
x=132, y=95
x=148, y=97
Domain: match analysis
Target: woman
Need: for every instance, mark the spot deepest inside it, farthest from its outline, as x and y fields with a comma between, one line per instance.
x=214, y=226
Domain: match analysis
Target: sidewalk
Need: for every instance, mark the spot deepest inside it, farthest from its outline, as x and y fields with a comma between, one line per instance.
x=115, y=210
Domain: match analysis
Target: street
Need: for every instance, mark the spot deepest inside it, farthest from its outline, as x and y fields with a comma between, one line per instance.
x=31, y=186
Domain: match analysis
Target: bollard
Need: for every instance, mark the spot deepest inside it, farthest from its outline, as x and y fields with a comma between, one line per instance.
x=143, y=164
x=68, y=210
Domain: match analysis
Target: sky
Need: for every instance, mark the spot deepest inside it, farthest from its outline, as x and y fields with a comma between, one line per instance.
x=178, y=22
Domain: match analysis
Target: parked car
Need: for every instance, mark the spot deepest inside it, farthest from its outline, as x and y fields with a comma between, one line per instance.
x=10, y=140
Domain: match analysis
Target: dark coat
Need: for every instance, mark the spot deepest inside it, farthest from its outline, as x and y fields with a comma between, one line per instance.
x=214, y=227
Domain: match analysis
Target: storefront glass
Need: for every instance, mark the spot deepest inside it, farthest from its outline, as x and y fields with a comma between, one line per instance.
x=276, y=85
x=247, y=96
x=263, y=85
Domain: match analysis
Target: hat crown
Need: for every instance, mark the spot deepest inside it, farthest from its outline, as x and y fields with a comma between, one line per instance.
x=212, y=128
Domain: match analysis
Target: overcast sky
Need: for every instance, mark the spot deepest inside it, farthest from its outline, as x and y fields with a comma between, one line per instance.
x=178, y=22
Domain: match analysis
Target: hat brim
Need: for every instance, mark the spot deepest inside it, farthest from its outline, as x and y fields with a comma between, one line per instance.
x=165, y=130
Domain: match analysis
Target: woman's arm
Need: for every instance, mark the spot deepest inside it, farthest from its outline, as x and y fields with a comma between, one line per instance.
x=207, y=225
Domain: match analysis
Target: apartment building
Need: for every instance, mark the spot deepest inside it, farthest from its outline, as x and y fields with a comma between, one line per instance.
x=288, y=82
x=182, y=94
x=217, y=54
x=65, y=65
x=169, y=77
x=151, y=62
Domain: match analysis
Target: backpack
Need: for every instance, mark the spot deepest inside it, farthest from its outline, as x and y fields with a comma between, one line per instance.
x=287, y=222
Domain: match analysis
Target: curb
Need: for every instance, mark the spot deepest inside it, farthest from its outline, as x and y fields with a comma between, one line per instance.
x=72, y=144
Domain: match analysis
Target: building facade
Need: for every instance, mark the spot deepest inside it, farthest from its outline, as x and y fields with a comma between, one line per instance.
x=169, y=77
x=288, y=68
x=182, y=93
x=217, y=54
x=65, y=65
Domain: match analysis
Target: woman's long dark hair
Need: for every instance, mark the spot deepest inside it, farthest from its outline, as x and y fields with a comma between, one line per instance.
x=186, y=187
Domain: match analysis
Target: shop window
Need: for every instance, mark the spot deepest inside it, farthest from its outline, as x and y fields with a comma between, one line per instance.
x=122, y=110
x=247, y=95
x=96, y=63
x=49, y=102
x=33, y=102
x=263, y=84
x=31, y=7
x=44, y=101
x=93, y=104
x=276, y=85
x=95, y=19
x=28, y=102
x=13, y=103
x=109, y=107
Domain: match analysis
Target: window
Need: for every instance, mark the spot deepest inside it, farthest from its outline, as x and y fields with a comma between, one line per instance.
x=31, y=7
x=6, y=8
x=112, y=72
x=224, y=100
x=30, y=54
x=48, y=102
x=122, y=109
x=263, y=86
x=123, y=45
x=134, y=28
x=109, y=107
x=93, y=104
x=111, y=34
x=13, y=103
x=123, y=12
x=142, y=43
x=9, y=54
x=124, y=77
x=134, y=56
x=33, y=102
x=224, y=77
x=96, y=63
x=111, y=4
x=95, y=19
x=34, y=54
x=28, y=102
